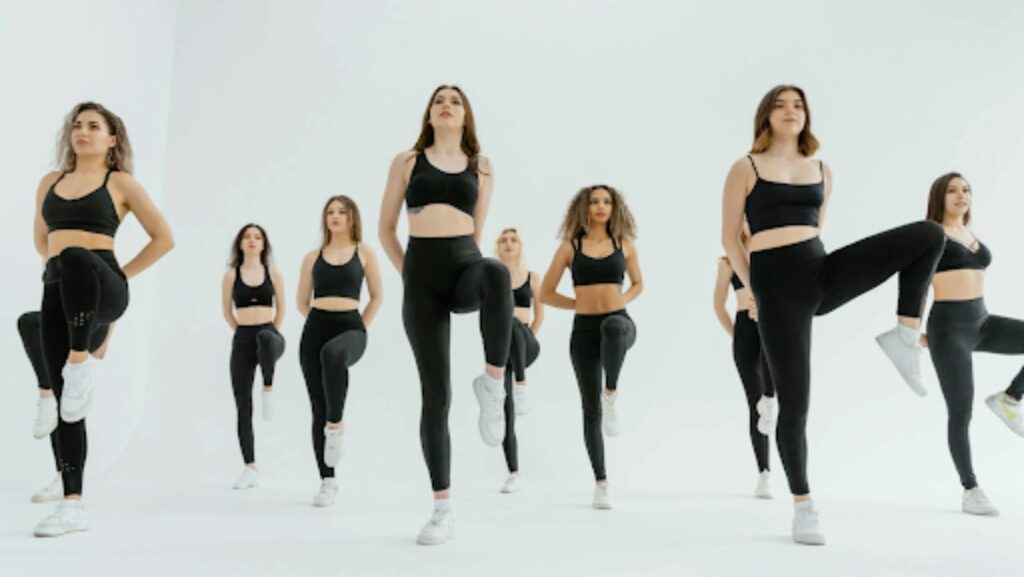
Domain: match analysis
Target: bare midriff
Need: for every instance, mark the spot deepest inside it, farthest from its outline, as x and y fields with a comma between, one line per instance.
x=59, y=240
x=335, y=304
x=252, y=316
x=959, y=285
x=598, y=299
x=440, y=221
x=522, y=314
x=782, y=236
x=742, y=299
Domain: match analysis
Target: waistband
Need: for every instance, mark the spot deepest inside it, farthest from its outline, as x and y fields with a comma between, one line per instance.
x=351, y=318
x=593, y=321
x=429, y=242
x=789, y=254
x=255, y=328
x=969, y=309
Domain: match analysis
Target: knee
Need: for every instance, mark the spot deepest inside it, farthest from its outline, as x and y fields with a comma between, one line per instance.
x=960, y=416
x=29, y=323
x=496, y=278
x=74, y=257
x=931, y=232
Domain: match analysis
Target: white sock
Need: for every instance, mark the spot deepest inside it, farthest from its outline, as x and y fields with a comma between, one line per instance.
x=442, y=504
x=807, y=505
x=908, y=335
x=493, y=382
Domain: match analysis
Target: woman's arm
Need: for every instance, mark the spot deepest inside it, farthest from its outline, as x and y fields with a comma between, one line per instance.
x=226, y=306
x=39, y=231
x=391, y=207
x=374, y=285
x=722, y=294
x=483, y=203
x=304, y=292
x=827, y=176
x=279, y=297
x=549, y=286
x=636, y=281
x=734, y=197
x=538, y=306
x=161, y=241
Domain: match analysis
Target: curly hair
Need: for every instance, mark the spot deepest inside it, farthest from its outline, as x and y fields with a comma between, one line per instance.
x=621, y=226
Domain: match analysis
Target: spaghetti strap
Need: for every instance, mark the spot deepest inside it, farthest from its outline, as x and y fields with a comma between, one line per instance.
x=754, y=166
x=59, y=178
x=821, y=167
x=106, y=178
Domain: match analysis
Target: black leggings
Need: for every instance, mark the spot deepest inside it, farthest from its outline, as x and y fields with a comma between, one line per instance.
x=30, y=328
x=598, y=341
x=530, y=349
x=955, y=330
x=793, y=283
x=82, y=290
x=442, y=276
x=331, y=343
x=252, y=345
x=756, y=378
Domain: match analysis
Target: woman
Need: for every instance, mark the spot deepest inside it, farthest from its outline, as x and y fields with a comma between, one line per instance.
x=251, y=293
x=78, y=211
x=597, y=247
x=783, y=193
x=750, y=363
x=446, y=185
x=525, y=348
x=334, y=336
x=959, y=324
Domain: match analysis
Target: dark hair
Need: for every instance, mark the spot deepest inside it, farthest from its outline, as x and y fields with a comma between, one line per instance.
x=806, y=142
x=937, y=197
x=236, y=251
x=621, y=226
x=470, y=145
x=355, y=223
x=119, y=156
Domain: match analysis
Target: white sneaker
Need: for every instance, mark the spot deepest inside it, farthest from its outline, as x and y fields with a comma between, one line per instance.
x=439, y=529
x=490, y=393
x=806, y=530
x=609, y=416
x=513, y=484
x=249, y=478
x=52, y=492
x=1009, y=412
x=267, y=404
x=976, y=503
x=79, y=382
x=765, y=415
x=601, y=498
x=67, y=518
x=333, y=446
x=46, y=417
x=900, y=344
x=764, y=485
x=519, y=400
x=328, y=493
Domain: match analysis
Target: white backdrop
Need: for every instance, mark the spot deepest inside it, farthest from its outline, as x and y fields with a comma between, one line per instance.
x=257, y=111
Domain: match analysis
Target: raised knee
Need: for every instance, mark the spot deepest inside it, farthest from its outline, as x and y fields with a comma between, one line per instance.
x=73, y=256
x=29, y=322
x=932, y=231
x=496, y=276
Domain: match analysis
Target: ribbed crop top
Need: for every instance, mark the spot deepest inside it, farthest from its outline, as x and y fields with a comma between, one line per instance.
x=431, y=185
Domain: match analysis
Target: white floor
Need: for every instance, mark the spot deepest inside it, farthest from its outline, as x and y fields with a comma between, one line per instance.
x=272, y=530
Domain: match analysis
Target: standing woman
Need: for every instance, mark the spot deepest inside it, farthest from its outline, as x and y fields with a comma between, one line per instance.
x=783, y=192
x=751, y=365
x=78, y=211
x=251, y=294
x=597, y=247
x=334, y=336
x=959, y=324
x=525, y=348
x=446, y=185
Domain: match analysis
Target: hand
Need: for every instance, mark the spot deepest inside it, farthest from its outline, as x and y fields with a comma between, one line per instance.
x=923, y=340
x=752, y=309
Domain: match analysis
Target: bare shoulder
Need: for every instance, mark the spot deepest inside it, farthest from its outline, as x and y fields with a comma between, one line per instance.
x=123, y=181
x=310, y=257
x=275, y=273
x=403, y=158
x=367, y=250
x=229, y=275
x=743, y=166
x=49, y=179
x=485, y=166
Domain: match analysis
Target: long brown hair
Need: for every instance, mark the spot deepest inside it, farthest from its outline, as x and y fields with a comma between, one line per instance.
x=236, y=251
x=119, y=156
x=806, y=142
x=621, y=226
x=355, y=223
x=470, y=145
x=937, y=197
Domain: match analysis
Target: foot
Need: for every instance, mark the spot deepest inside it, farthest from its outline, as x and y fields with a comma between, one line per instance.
x=520, y=400
x=806, y=529
x=490, y=393
x=439, y=529
x=249, y=478
x=79, y=382
x=601, y=498
x=764, y=485
x=46, y=417
x=267, y=404
x=328, y=493
x=1008, y=410
x=975, y=502
x=901, y=346
x=333, y=446
x=513, y=484
x=67, y=518
x=609, y=416
x=52, y=492
x=765, y=415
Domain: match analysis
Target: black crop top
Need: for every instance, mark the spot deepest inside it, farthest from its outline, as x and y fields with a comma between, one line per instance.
x=431, y=185
x=956, y=256
x=777, y=204
x=521, y=296
x=344, y=280
x=93, y=212
x=253, y=296
x=588, y=271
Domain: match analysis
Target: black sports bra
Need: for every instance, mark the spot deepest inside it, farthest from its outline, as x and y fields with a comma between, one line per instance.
x=777, y=204
x=431, y=185
x=93, y=212
x=253, y=296
x=957, y=256
x=589, y=271
x=521, y=296
x=343, y=280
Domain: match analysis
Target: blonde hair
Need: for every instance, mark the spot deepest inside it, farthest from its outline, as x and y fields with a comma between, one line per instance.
x=119, y=156
x=497, y=246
